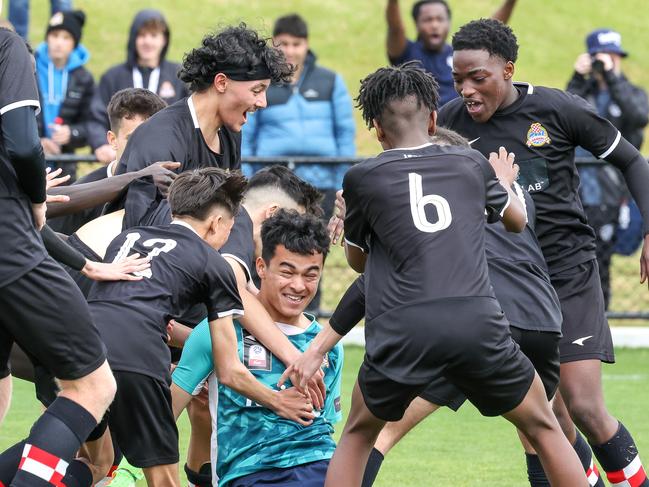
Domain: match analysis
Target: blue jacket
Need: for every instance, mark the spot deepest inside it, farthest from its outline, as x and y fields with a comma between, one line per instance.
x=64, y=93
x=312, y=118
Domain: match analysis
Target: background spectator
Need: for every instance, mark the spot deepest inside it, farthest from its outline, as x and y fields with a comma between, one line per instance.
x=145, y=67
x=433, y=22
x=311, y=116
x=65, y=86
x=598, y=78
x=19, y=13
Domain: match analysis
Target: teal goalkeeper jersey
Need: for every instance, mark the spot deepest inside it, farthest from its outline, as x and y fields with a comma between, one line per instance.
x=252, y=438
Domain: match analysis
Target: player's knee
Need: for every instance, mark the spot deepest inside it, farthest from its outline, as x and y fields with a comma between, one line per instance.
x=587, y=415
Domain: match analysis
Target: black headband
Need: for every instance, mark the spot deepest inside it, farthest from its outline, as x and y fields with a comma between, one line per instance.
x=241, y=73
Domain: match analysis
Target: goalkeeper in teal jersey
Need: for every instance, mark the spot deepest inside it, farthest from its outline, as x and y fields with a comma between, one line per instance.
x=255, y=446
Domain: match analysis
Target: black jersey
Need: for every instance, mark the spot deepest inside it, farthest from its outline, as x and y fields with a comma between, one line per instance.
x=240, y=245
x=132, y=316
x=519, y=274
x=543, y=127
x=21, y=247
x=172, y=134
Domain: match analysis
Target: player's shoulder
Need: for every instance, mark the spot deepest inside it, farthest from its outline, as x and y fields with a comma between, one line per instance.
x=9, y=41
x=553, y=98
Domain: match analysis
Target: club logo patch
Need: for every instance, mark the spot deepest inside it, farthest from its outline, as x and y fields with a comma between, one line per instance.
x=255, y=355
x=166, y=90
x=537, y=136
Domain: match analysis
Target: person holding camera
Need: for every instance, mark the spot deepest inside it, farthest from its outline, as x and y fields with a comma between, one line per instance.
x=598, y=78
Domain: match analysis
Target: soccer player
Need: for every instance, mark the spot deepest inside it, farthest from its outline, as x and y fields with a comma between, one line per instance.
x=186, y=269
x=268, y=190
x=430, y=307
x=519, y=275
x=294, y=249
x=542, y=126
x=228, y=76
x=59, y=333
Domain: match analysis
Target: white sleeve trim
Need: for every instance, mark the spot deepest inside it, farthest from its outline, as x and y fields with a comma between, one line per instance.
x=349, y=242
x=243, y=264
x=19, y=104
x=509, y=200
x=613, y=146
x=233, y=312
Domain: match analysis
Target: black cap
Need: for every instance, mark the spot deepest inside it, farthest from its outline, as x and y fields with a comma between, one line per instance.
x=71, y=21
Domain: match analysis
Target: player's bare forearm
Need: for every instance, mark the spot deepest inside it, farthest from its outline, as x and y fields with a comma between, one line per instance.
x=396, y=40
x=325, y=340
x=504, y=12
x=355, y=258
x=179, y=400
x=514, y=217
x=179, y=334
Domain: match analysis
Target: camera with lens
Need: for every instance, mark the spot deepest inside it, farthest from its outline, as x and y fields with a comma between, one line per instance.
x=597, y=65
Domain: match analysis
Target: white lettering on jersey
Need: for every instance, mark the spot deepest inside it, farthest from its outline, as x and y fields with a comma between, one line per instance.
x=131, y=238
x=418, y=202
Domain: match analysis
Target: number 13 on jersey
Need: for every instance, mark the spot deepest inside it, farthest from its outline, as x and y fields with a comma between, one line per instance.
x=418, y=203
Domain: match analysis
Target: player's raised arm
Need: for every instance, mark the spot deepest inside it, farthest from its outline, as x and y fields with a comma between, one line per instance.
x=396, y=40
x=231, y=372
x=504, y=12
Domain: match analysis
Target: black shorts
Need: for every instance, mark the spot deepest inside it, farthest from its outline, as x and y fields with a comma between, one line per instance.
x=142, y=422
x=541, y=347
x=44, y=312
x=306, y=475
x=586, y=334
x=473, y=350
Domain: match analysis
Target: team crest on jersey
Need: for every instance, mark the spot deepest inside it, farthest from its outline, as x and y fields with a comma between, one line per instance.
x=537, y=136
x=255, y=355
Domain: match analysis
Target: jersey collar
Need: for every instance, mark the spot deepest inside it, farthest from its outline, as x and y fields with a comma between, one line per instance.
x=184, y=224
x=410, y=148
x=192, y=111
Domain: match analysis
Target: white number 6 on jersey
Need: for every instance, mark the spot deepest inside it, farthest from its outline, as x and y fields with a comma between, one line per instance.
x=418, y=204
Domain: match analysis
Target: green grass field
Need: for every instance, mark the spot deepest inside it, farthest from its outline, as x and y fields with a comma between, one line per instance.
x=458, y=450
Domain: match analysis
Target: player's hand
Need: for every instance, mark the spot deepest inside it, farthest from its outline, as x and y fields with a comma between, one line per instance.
x=644, y=261
x=302, y=370
x=170, y=329
x=606, y=59
x=50, y=148
x=39, y=211
x=116, y=271
x=336, y=224
x=292, y=404
x=317, y=390
x=61, y=134
x=52, y=180
x=163, y=174
x=583, y=64
x=504, y=167
x=105, y=154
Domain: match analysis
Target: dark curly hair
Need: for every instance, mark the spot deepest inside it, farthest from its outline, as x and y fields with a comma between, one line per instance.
x=303, y=234
x=490, y=35
x=396, y=83
x=233, y=46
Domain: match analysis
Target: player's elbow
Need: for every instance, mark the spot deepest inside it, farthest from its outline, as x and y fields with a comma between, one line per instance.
x=515, y=221
x=231, y=375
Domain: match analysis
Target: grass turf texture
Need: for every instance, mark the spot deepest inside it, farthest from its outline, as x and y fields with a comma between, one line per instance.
x=462, y=449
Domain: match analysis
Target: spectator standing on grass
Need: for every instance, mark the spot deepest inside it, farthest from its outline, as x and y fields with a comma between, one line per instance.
x=65, y=85
x=598, y=78
x=145, y=67
x=19, y=13
x=433, y=22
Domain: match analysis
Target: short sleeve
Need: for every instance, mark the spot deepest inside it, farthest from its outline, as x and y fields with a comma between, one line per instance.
x=585, y=127
x=240, y=245
x=333, y=379
x=496, y=196
x=222, y=297
x=17, y=77
x=357, y=229
x=196, y=362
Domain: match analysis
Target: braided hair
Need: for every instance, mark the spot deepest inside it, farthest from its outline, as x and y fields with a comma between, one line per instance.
x=396, y=83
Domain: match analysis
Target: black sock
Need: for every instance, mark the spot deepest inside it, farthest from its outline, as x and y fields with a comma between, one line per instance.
x=78, y=475
x=9, y=461
x=586, y=457
x=52, y=443
x=620, y=460
x=202, y=478
x=372, y=469
x=535, y=473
